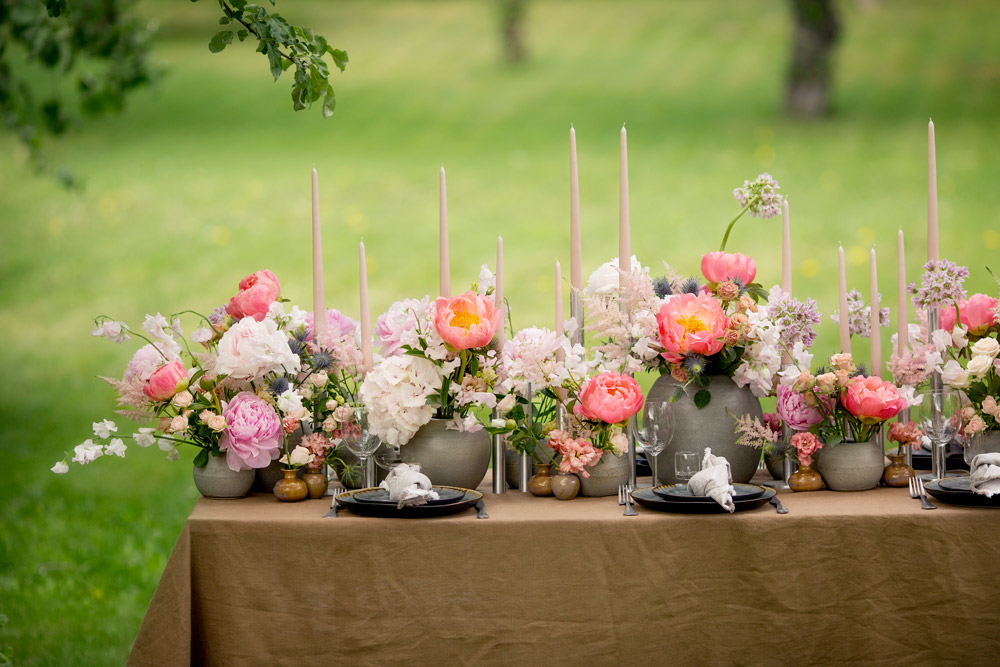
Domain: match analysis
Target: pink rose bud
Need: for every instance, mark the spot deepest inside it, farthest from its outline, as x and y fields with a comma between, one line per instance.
x=166, y=381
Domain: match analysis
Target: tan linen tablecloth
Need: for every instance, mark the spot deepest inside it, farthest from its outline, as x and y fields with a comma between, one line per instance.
x=844, y=578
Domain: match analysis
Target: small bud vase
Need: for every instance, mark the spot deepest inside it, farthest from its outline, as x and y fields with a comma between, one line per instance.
x=897, y=473
x=805, y=479
x=290, y=488
x=316, y=481
x=565, y=485
x=541, y=483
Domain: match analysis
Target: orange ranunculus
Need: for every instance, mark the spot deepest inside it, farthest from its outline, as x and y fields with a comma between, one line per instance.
x=466, y=321
x=691, y=324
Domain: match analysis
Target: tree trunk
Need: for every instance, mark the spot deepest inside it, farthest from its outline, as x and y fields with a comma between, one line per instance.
x=512, y=26
x=810, y=76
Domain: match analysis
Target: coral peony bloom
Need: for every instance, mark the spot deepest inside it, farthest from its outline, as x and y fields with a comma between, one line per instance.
x=254, y=435
x=466, y=321
x=257, y=292
x=872, y=400
x=719, y=266
x=978, y=314
x=794, y=411
x=609, y=397
x=691, y=323
x=166, y=381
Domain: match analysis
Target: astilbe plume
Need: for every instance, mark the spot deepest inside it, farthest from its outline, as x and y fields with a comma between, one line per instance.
x=624, y=322
x=752, y=432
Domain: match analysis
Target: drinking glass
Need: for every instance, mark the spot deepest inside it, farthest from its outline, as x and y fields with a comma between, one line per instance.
x=360, y=441
x=657, y=430
x=940, y=416
x=686, y=464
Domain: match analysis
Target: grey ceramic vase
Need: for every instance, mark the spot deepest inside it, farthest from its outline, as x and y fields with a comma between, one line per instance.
x=216, y=480
x=605, y=477
x=712, y=426
x=851, y=466
x=447, y=457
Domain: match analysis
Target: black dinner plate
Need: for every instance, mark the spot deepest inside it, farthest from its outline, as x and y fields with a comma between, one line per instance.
x=468, y=500
x=446, y=495
x=681, y=493
x=650, y=500
x=966, y=498
x=955, y=484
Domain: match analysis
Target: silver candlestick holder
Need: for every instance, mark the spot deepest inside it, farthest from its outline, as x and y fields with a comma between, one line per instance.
x=499, y=469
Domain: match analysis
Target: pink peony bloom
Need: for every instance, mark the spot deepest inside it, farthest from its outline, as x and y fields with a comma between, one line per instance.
x=719, y=266
x=978, y=314
x=691, y=324
x=872, y=400
x=466, y=321
x=166, y=381
x=805, y=445
x=794, y=411
x=338, y=325
x=257, y=292
x=254, y=436
x=609, y=397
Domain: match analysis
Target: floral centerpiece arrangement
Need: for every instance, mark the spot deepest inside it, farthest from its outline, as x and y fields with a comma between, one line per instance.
x=246, y=378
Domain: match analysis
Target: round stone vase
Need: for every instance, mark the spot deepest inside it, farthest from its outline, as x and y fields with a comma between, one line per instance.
x=216, y=480
x=851, y=466
x=713, y=426
x=448, y=457
x=605, y=477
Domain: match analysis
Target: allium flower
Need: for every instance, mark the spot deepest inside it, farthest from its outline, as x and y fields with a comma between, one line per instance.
x=254, y=436
x=796, y=320
x=859, y=320
x=252, y=349
x=940, y=285
x=761, y=196
x=396, y=393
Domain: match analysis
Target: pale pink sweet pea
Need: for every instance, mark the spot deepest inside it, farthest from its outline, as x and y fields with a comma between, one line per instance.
x=609, y=397
x=691, y=324
x=794, y=411
x=166, y=381
x=467, y=321
x=254, y=436
x=720, y=266
x=978, y=314
x=872, y=399
x=257, y=292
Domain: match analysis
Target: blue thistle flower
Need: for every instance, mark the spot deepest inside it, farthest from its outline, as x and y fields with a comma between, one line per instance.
x=278, y=386
x=322, y=360
x=662, y=287
x=690, y=286
x=297, y=347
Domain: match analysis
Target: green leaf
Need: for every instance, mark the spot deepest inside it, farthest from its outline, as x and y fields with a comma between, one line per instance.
x=220, y=40
x=224, y=20
x=339, y=58
x=702, y=398
x=201, y=460
x=833, y=440
x=242, y=33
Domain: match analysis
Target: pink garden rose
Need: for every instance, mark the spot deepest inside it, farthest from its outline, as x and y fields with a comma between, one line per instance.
x=166, y=381
x=872, y=400
x=257, y=292
x=978, y=314
x=254, y=436
x=793, y=410
x=719, y=266
x=805, y=445
x=609, y=397
x=691, y=324
x=466, y=321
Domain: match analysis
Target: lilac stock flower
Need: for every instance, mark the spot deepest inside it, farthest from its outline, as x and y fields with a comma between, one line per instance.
x=940, y=285
x=761, y=196
x=859, y=315
x=797, y=320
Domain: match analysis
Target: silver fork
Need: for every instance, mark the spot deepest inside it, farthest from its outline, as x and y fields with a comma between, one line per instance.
x=621, y=495
x=333, y=503
x=926, y=504
x=626, y=493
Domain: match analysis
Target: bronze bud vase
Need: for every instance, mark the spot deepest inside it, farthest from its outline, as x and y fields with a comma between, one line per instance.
x=290, y=488
x=316, y=481
x=805, y=479
x=541, y=483
x=897, y=473
x=565, y=485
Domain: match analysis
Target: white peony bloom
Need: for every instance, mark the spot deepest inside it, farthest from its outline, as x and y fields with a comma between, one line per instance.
x=979, y=366
x=104, y=429
x=251, y=349
x=396, y=393
x=145, y=437
x=954, y=375
x=986, y=347
x=290, y=403
x=60, y=468
x=604, y=280
x=116, y=447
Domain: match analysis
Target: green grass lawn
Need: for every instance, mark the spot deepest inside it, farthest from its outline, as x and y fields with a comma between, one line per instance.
x=206, y=179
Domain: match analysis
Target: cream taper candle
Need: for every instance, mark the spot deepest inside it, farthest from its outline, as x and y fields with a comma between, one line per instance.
x=319, y=300
x=876, y=330
x=366, y=318
x=845, y=326
x=445, y=268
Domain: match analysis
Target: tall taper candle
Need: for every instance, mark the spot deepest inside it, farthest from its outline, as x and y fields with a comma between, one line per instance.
x=319, y=300
x=786, y=250
x=932, y=202
x=575, y=241
x=559, y=307
x=366, y=317
x=845, y=326
x=624, y=248
x=445, y=287
x=498, y=292
x=876, y=330
x=902, y=314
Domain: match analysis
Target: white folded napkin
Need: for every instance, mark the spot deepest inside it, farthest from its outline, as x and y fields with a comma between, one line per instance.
x=985, y=476
x=407, y=485
x=714, y=480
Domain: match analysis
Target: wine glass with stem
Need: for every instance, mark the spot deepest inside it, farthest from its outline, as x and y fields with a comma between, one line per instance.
x=657, y=430
x=940, y=417
x=360, y=441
